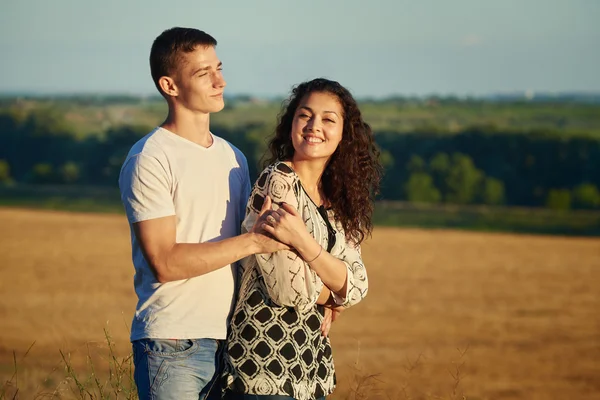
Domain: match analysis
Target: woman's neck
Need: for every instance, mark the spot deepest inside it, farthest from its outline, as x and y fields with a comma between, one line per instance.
x=310, y=173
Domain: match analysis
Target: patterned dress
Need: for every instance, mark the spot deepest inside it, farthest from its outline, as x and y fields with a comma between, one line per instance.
x=275, y=346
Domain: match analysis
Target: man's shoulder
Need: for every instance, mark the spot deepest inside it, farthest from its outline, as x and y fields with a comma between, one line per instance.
x=230, y=147
x=147, y=154
x=151, y=148
x=148, y=145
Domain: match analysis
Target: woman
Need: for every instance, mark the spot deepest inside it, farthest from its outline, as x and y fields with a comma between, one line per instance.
x=321, y=177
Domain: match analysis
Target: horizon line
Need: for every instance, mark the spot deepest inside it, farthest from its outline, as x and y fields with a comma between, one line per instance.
x=525, y=94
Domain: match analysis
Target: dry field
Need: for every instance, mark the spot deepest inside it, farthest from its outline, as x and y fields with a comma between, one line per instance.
x=449, y=314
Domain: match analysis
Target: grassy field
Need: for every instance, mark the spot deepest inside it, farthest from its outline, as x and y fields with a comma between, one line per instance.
x=484, y=315
x=399, y=214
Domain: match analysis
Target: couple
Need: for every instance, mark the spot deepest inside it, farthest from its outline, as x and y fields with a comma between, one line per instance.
x=205, y=324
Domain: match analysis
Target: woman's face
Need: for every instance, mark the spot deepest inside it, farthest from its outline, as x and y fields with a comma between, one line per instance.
x=317, y=127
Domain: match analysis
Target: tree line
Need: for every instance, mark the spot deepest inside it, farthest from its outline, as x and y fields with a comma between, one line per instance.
x=486, y=166
x=474, y=166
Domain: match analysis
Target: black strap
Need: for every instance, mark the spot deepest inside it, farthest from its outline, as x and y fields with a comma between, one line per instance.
x=330, y=231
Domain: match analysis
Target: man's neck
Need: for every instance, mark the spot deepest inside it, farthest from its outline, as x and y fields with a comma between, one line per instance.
x=194, y=127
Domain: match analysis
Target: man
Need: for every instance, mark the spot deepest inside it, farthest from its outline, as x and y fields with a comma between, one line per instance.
x=185, y=191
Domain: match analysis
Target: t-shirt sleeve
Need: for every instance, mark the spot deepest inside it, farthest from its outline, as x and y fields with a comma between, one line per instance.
x=288, y=279
x=145, y=189
x=246, y=190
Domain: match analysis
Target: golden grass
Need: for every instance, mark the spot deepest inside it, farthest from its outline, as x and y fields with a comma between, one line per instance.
x=487, y=316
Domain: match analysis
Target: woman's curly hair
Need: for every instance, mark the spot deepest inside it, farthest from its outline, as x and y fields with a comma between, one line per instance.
x=352, y=175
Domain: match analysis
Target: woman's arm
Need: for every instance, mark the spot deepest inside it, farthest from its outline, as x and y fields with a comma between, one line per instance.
x=358, y=282
x=325, y=298
x=344, y=274
x=287, y=226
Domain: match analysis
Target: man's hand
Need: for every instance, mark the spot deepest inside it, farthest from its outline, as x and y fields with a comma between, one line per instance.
x=265, y=242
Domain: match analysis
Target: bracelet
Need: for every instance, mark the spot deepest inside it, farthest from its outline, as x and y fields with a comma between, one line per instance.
x=320, y=251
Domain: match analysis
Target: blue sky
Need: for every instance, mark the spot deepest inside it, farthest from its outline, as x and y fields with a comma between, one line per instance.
x=376, y=48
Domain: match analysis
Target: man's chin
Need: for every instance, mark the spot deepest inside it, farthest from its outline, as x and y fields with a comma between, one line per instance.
x=218, y=106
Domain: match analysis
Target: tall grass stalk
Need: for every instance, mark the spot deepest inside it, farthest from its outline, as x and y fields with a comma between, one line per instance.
x=10, y=388
x=118, y=384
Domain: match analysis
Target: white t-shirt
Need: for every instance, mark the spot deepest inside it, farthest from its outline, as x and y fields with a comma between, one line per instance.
x=207, y=189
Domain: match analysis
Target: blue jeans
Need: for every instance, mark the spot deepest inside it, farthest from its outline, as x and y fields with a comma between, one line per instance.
x=182, y=369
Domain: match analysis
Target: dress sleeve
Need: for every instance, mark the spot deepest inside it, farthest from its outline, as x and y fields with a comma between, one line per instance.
x=288, y=278
x=357, y=283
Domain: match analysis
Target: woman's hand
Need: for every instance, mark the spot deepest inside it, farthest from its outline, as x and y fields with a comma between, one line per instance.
x=286, y=225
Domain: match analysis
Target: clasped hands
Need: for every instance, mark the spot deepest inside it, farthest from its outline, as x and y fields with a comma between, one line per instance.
x=281, y=229
x=284, y=224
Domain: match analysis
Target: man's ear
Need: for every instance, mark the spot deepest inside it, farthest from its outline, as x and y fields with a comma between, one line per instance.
x=168, y=86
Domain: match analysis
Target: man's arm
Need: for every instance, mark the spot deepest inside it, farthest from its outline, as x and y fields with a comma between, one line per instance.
x=171, y=261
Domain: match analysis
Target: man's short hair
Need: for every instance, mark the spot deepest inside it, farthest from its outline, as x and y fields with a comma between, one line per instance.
x=168, y=47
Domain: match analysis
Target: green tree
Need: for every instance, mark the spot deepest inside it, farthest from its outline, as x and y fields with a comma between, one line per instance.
x=386, y=159
x=105, y=158
x=559, y=199
x=69, y=172
x=4, y=172
x=42, y=173
x=586, y=196
x=439, y=166
x=463, y=180
x=420, y=189
x=416, y=164
x=492, y=191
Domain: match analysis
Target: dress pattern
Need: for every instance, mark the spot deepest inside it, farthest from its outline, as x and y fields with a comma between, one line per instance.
x=275, y=345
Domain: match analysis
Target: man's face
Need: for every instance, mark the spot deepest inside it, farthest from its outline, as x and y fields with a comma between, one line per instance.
x=199, y=80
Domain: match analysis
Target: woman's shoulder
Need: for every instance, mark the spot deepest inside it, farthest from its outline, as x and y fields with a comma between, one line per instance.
x=280, y=169
x=279, y=181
